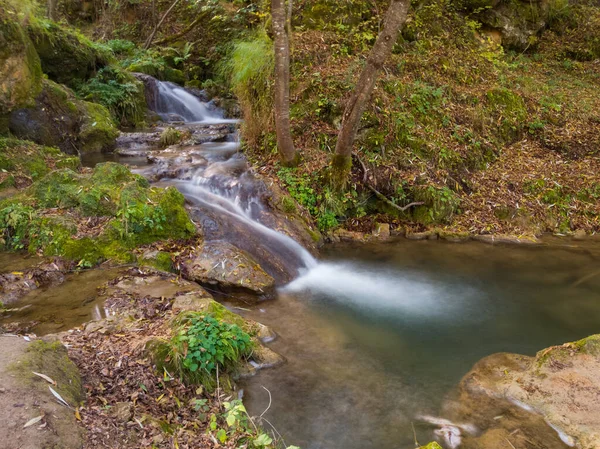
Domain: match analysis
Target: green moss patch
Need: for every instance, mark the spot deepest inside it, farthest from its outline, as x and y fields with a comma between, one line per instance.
x=23, y=162
x=51, y=216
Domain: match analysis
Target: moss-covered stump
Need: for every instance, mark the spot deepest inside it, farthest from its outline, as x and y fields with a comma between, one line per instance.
x=60, y=119
x=20, y=71
x=67, y=56
x=553, y=398
x=26, y=396
x=22, y=162
x=89, y=218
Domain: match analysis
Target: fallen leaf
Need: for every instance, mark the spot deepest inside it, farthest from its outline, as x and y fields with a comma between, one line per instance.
x=46, y=378
x=33, y=421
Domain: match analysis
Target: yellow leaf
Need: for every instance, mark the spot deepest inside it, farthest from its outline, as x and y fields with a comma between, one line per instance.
x=77, y=415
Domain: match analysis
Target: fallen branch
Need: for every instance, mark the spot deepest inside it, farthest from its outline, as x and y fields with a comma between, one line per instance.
x=151, y=37
x=182, y=33
x=380, y=195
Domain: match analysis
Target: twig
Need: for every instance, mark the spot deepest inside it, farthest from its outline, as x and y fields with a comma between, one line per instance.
x=511, y=445
x=414, y=434
x=268, y=406
x=585, y=278
x=382, y=197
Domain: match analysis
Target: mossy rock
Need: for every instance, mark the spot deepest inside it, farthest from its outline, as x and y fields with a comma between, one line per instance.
x=51, y=358
x=128, y=212
x=23, y=162
x=158, y=69
x=510, y=111
x=67, y=57
x=440, y=204
x=60, y=119
x=20, y=69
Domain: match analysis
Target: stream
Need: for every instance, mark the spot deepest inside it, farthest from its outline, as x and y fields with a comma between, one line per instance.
x=376, y=334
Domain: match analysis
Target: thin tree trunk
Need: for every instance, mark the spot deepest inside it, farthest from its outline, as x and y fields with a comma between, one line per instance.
x=341, y=163
x=151, y=37
x=52, y=6
x=285, y=143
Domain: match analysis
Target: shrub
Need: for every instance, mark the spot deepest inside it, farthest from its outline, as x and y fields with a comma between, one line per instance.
x=203, y=344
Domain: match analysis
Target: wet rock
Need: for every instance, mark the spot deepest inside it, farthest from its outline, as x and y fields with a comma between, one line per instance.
x=137, y=144
x=222, y=264
x=507, y=239
x=553, y=398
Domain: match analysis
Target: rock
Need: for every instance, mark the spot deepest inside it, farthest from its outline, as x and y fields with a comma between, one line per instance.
x=220, y=263
x=123, y=411
x=507, y=239
x=426, y=235
x=14, y=285
x=196, y=301
x=20, y=69
x=381, y=231
x=557, y=389
x=59, y=119
x=66, y=57
x=579, y=234
x=27, y=396
x=518, y=22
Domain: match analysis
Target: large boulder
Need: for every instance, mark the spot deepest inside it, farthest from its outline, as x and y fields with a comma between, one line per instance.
x=59, y=119
x=553, y=399
x=517, y=21
x=67, y=57
x=20, y=71
x=221, y=264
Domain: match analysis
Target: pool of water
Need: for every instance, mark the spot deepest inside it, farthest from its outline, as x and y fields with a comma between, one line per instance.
x=377, y=335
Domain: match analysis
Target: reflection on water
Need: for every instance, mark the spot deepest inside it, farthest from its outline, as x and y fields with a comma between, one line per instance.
x=379, y=334
x=62, y=307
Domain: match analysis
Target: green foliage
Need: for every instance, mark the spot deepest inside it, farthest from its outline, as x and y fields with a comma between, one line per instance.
x=440, y=204
x=121, y=47
x=202, y=344
x=249, y=70
x=170, y=136
x=509, y=109
x=137, y=215
x=119, y=92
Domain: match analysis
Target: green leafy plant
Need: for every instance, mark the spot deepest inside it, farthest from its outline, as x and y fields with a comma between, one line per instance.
x=203, y=344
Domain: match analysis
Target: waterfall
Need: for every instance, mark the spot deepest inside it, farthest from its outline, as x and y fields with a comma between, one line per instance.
x=173, y=101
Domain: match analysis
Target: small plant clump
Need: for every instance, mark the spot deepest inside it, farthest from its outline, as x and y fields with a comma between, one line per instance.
x=170, y=136
x=203, y=345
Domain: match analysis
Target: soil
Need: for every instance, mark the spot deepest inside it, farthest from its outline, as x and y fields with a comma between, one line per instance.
x=19, y=403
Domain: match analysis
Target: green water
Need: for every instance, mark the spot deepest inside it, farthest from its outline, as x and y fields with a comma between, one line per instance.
x=380, y=334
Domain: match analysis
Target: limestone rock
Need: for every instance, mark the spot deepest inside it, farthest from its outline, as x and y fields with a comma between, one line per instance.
x=554, y=397
x=220, y=263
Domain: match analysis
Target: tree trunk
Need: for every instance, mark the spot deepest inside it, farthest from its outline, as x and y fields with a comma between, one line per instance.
x=151, y=37
x=52, y=9
x=285, y=145
x=342, y=160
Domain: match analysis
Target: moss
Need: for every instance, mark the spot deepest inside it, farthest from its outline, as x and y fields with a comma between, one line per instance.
x=510, y=111
x=24, y=161
x=432, y=445
x=98, y=131
x=67, y=57
x=440, y=204
x=20, y=69
x=341, y=166
x=162, y=260
x=51, y=358
x=589, y=345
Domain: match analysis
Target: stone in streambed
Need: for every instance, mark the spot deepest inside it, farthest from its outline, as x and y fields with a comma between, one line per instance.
x=553, y=398
x=222, y=264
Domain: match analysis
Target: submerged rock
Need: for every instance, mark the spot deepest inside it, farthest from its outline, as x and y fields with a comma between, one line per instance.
x=552, y=399
x=222, y=264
